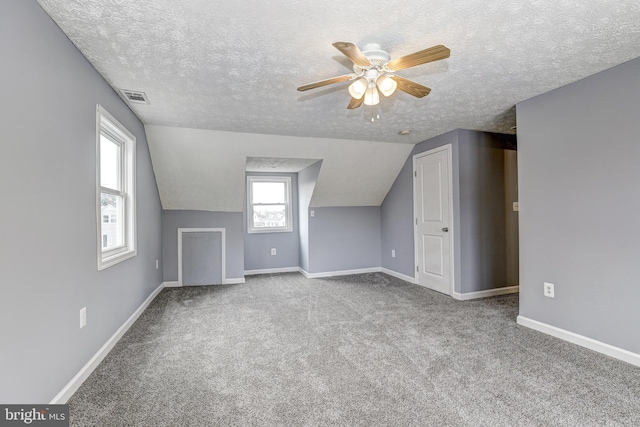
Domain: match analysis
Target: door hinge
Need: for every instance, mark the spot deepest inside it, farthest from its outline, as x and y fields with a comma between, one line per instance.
x=417, y=269
x=416, y=221
x=415, y=174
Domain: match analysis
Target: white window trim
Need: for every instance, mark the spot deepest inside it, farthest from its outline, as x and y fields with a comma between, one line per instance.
x=106, y=121
x=288, y=201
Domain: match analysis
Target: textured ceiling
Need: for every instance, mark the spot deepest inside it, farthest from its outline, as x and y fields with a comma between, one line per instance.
x=222, y=77
x=235, y=66
x=278, y=164
x=206, y=171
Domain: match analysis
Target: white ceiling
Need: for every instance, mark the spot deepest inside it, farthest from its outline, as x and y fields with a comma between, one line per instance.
x=234, y=66
x=279, y=164
x=206, y=171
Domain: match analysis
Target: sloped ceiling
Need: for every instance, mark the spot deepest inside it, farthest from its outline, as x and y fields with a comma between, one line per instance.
x=206, y=169
x=279, y=164
x=235, y=66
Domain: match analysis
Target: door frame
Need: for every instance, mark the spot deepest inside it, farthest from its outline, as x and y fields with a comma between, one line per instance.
x=181, y=231
x=449, y=149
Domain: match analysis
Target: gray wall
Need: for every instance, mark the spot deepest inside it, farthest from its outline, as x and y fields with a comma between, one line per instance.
x=483, y=176
x=578, y=181
x=257, y=246
x=48, y=221
x=484, y=187
x=344, y=238
x=512, y=217
x=306, y=183
x=396, y=212
x=230, y=221
x=201, y=258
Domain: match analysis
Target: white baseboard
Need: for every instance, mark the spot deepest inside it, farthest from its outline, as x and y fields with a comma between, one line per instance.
x=224, y=282
x=171, y=284
x=304, y=273
x=272, y=270
x=75, y=383
x=581, y=340
x=334, y=273
x=339, y=273
x=399, y=275
x=487, y=293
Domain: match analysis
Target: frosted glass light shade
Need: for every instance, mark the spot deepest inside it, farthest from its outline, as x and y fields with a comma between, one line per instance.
x=371, y=97
x=358, y=88
x=386, y=85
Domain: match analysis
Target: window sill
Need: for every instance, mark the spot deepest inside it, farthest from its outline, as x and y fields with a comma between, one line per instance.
x=271, y=230
x=108, y=261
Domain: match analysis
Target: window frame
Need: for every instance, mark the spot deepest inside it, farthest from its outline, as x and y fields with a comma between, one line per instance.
x=110, y=128
x=251, y=229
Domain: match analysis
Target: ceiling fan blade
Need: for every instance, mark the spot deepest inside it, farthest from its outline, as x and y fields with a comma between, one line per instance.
x=352, y=52
x=325, y=82
x=431, y=54
x=410, y=87
x=355, y=103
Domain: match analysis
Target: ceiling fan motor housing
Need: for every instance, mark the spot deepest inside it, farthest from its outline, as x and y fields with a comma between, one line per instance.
x=377, y=57
x=375, y=54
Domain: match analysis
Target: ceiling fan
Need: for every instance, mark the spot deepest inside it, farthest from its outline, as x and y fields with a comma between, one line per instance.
x=373, y=71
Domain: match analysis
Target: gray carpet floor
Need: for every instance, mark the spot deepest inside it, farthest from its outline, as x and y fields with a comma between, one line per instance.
x=363, y=350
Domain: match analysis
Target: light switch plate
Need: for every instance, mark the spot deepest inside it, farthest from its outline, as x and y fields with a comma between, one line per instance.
x=83, y=317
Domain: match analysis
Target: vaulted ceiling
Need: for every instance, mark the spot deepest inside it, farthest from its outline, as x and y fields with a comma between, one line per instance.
x=234, y=66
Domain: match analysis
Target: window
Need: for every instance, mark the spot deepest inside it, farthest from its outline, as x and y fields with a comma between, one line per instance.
x=115, y=191
x=269, y=204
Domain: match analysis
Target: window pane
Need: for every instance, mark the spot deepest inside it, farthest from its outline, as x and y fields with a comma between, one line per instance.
x=269, y=192
x=109, y=163
x=112, y=207
x=269, y=216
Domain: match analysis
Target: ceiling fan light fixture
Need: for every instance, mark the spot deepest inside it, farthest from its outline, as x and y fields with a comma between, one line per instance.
x=386, y=85
x=374, y=72
x=371, y=97
x=358, y=88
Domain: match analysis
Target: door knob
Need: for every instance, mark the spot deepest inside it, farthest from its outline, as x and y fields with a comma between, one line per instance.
x=445, y=229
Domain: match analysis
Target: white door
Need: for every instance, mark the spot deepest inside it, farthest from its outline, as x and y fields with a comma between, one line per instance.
x=433, y=219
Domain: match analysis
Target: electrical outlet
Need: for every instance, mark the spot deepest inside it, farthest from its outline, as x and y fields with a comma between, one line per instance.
x=549, y=290
x=393, y=253
x=273, y=251
x=83, y=317
x=516, y=206
x=312, y=214
x=157, y=264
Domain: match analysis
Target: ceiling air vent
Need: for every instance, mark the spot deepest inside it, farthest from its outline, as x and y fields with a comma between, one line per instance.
x=135, y=97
